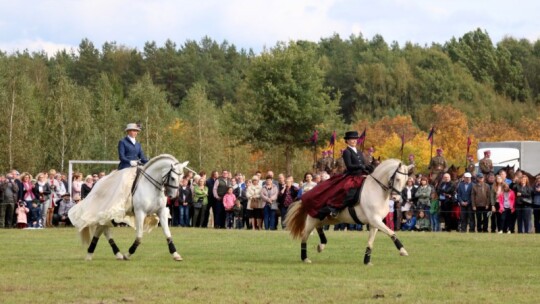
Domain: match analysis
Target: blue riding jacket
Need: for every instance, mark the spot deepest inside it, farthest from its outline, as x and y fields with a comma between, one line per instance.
x=127, y=151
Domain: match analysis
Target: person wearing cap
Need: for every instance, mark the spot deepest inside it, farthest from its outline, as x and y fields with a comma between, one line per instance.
x=369, y=155
x=464, y=196
x=63, y=207
x=480, y=199
x=438, y=165
x=130, y=151
x=411, y=162
x=485, y=164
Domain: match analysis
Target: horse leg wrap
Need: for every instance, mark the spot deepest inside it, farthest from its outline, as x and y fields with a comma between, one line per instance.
x=134, y=246
x=397, y=242
x=172, y=249
x=322, y=236
x=115, y=249
x=303, y=251
x=93, y=244
x=367, y=256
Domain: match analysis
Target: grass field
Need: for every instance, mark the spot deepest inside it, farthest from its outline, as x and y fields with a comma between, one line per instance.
x=47, y=266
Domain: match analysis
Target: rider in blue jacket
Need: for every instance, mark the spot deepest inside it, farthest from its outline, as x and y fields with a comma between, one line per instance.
x=130, y=151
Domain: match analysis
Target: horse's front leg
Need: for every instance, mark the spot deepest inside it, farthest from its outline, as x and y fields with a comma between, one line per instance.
x=139, y=222
x=93, y=243
x=115, y=249
x=163, y=218
x=379, y=224
x=367, y=256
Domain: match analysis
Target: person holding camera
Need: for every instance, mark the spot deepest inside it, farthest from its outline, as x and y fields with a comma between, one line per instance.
x=64, y=205
x=9, y=190
x=22, y=218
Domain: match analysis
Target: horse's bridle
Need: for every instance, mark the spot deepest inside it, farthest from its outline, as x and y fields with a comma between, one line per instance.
x=165, y=180
x=390, y=186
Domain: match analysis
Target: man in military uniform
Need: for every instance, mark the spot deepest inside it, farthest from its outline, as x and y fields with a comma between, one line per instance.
x=411, y=162
x=437, y=164
x=321, y=163
x=328, y=162
x=485, y=164
x=369, y=155
x=470, y=164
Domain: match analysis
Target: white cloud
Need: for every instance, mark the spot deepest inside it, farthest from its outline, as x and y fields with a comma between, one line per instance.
x=38, y=45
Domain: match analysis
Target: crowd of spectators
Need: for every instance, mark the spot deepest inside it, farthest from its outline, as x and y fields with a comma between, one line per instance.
x=491, y=203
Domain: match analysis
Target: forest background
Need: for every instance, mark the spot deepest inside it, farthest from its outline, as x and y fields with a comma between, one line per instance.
x=224, y=108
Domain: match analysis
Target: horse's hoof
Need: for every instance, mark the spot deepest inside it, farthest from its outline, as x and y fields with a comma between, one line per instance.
x=403, y=252
x=320, y=247
x=177, y=257
x=88, y=257
x=307, y=261
x=119, y=256
x=126, y=256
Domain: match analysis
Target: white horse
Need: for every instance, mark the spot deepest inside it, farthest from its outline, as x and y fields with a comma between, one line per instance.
x=111, y=199
x=390, y=176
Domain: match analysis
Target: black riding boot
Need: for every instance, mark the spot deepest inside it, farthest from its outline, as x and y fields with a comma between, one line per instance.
x=351, y=198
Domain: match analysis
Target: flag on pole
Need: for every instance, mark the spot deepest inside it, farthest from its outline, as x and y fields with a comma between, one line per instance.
x=333, y=139
x=362, y=137
x=430, y=136
x=314, y=137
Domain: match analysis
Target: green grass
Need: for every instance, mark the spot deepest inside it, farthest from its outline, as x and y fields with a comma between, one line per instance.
x=47, y=266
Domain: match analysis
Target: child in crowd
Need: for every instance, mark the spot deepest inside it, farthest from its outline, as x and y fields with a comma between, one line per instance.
x=434, y=210
x=390, y=215
x=422, y=222
x=22, y=219
x=409, y=222
x=228, y=203
x=35, y=215
x=238, y=214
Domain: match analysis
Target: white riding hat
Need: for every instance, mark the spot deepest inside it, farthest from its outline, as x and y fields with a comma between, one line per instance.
x=132, y=126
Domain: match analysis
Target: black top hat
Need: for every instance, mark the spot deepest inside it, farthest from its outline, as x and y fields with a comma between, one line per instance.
x=351, y=135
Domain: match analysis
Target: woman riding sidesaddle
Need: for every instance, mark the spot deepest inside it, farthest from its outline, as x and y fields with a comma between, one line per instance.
x=342, y=190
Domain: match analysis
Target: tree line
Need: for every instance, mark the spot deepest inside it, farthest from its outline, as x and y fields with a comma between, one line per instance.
x=222, y=107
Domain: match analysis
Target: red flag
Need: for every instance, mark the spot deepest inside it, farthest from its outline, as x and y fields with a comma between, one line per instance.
x=333, y=139
x=430, y=136
x=468, y=144
x=314, y=137
x=362, y=137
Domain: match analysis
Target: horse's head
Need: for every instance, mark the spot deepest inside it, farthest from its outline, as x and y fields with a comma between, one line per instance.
x=172, y=178
x=392, y=175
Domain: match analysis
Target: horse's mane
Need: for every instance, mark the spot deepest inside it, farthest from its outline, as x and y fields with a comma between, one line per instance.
x=159, y=157
x=388, y=163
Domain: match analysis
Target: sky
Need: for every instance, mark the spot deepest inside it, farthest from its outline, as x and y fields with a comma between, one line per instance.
x=51, y=25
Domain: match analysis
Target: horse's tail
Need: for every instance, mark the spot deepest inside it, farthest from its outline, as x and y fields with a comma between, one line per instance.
x=86, y=235
x=295, y=220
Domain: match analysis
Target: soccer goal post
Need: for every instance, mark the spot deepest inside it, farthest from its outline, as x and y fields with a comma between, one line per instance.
x=71, y=162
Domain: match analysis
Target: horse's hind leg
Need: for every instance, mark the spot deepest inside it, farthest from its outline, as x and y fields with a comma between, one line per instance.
x=323, y=239
x=93, y=243
x=163, y=217
x=116, y=251
x=310, y=225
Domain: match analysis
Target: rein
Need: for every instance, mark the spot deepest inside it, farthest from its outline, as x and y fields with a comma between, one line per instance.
x=158, y=184
x=390, y=187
